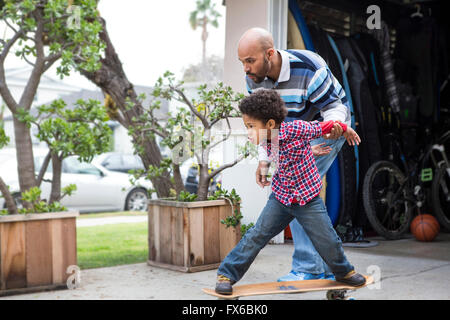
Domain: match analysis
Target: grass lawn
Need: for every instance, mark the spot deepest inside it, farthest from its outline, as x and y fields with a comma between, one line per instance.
x=111, y=214
x=111, y=245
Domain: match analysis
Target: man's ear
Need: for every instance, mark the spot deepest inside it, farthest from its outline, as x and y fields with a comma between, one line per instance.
x=270, y=124
x=270, y=52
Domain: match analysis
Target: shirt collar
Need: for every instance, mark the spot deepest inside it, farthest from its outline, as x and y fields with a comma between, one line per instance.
x=285, y=72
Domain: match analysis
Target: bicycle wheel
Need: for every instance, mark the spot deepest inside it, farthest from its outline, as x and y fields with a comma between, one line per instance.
x=385, y=200
x=440, y=195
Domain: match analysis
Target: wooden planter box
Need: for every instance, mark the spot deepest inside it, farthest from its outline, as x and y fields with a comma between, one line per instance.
x=188, y=236
x=35, y=251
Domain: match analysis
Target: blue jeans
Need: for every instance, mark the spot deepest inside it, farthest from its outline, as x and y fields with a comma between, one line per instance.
x=305, y=257
x=272, y=220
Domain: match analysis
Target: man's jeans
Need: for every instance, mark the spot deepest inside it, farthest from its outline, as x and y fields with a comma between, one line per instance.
x=305, y=257
x=272, y=220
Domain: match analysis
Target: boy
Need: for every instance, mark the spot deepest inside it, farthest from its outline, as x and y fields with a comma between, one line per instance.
x=296, y=186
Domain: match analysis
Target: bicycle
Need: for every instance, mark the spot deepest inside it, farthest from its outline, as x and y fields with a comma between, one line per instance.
x=390, y=194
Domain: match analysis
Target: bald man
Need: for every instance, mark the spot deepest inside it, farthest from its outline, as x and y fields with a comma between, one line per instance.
x=309, y=90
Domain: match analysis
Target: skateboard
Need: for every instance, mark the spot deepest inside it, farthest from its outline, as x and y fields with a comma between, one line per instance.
x=335, y=290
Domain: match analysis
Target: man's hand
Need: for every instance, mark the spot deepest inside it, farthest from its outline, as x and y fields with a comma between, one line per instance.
x=335, y=133
x=318, y=150
x=351, y=136
x=261, y=174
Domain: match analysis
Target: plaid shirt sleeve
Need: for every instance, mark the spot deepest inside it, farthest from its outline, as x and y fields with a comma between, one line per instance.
x=301, y=130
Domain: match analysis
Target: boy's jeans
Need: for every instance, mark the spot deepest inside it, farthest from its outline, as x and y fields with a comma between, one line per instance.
x=305, y=257
x=272, y=220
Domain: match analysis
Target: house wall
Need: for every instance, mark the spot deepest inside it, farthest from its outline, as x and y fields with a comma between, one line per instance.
x=241, y=16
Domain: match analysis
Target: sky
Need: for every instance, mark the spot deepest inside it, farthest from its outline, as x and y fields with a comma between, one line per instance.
x=152, y=37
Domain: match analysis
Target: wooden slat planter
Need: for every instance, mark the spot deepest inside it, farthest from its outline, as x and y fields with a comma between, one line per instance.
x=35, y=251
x=188, y=236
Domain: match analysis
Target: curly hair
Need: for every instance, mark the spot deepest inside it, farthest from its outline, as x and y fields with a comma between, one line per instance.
x=264, y=104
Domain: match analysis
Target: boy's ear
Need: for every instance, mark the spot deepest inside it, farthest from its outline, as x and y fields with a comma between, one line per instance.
x=270, y=124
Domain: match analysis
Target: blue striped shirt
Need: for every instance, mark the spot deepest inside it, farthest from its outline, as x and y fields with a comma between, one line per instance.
x=306, y=85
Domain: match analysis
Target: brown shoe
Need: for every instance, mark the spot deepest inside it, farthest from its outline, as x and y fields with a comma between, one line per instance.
x=223, y=285
x=352, y=278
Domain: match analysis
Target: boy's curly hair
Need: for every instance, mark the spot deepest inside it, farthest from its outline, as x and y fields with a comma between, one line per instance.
x=264, y=104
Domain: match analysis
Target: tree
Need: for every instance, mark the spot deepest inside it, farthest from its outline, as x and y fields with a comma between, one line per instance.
x=81, y=131
x=123, y=105
x=204, y=14
x=43, y=32
x=189, y=132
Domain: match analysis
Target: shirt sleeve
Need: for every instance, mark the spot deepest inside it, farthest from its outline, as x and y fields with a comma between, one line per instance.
x=321, y=90
x=301, y=130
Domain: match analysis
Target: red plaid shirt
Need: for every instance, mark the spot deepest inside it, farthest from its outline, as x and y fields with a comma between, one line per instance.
x=296, y=179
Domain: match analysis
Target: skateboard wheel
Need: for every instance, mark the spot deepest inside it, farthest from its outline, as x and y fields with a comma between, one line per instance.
x=336, y=295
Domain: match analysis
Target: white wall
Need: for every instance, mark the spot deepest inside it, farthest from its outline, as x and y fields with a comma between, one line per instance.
x=241, y=16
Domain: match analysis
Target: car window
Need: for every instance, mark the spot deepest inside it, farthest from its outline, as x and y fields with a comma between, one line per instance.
x=132, y=162
x=72, y=165
x=112, y=162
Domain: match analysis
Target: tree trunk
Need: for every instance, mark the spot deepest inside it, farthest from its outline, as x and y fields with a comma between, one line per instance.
x=203, y=183
x=55, y=193
x=24, y=153
x=179, y=185
x=112, y=80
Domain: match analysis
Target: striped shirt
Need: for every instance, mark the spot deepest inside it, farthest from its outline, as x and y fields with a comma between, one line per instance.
x=307, y=87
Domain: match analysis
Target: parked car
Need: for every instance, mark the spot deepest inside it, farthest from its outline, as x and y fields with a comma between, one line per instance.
x=98, y=189
x=120, y=162
x=189, y=173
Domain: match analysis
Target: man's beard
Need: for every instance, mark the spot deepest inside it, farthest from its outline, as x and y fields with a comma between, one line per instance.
x=260, y=78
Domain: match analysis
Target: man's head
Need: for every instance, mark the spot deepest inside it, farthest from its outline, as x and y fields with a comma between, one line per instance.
x=256, y=52
x=262, y=111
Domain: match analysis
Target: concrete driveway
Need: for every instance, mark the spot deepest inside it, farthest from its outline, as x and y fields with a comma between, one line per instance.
x=408, y=269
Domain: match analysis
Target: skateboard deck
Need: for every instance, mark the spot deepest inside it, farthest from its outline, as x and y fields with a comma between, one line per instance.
x=335, y=290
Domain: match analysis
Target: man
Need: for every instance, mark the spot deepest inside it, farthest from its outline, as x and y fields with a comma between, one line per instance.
x=309, y=89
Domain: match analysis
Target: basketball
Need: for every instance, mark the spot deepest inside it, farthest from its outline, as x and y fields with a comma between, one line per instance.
x=425, y=227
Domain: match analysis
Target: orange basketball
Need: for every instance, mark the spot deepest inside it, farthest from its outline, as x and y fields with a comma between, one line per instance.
x=425, y=227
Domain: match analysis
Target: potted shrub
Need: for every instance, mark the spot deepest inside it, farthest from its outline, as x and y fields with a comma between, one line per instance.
x=36, y=248
x=38, y=241
x=192, y=232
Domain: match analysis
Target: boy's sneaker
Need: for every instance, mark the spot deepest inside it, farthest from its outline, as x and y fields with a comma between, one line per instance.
x=298, y=276
x=329, y=276
x=352, y=278
x=223, y=285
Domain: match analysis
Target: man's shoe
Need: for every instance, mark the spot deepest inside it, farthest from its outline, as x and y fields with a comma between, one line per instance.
x=223, y=285
x=352, y=278
x=298, y=276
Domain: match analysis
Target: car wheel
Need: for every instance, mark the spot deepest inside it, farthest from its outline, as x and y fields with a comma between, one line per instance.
x=137, y=200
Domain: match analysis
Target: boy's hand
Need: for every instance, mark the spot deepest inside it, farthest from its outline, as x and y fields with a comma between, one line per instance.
x=318, y=150
x=351, y=136
x=335, y=133
x=261, y=174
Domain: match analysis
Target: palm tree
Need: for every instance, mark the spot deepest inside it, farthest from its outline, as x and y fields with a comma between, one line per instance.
x=204, y=14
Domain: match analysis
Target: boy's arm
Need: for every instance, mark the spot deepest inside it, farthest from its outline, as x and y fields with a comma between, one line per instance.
x=350, y=135
x=301, y=130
